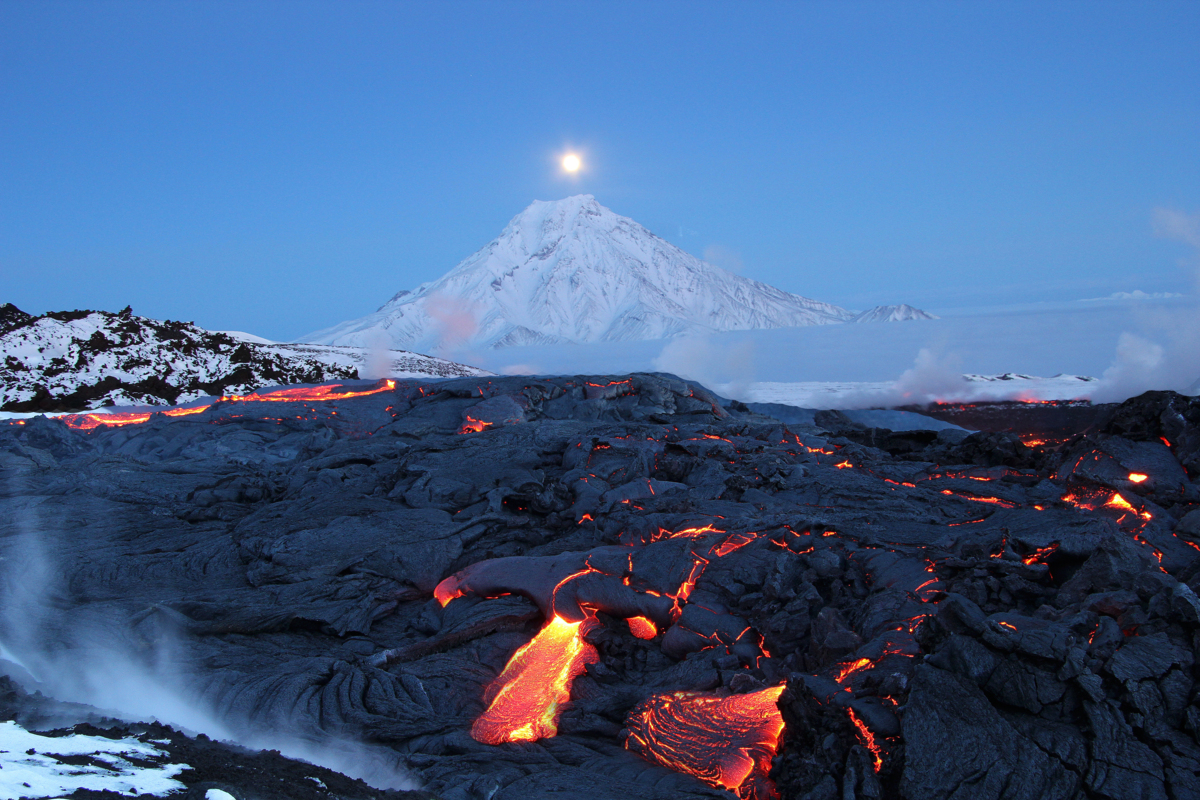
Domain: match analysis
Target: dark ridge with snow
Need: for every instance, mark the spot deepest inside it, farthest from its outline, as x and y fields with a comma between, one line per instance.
x=572, y=271
x=900, y=313
x=79, y=360
x=11, y=317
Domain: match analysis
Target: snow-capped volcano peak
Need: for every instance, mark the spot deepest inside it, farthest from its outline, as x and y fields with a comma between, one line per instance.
x=571, y=270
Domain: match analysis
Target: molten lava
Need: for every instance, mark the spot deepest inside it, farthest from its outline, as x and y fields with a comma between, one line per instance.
x=473, y=425
x=848, y=669
x=1041, y=554
x=642, y=628
x=297, y=394
x=87, y=422
x=724, y=741
x=312, y=394
x=1138, y=477
x=447, y=590
x=524, y=700
x=868, y=740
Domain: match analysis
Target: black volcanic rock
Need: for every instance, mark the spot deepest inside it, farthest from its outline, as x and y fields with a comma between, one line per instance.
x=964, y=617
x=11, y=317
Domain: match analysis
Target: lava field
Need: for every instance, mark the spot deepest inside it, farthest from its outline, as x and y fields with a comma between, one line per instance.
x=617, y=587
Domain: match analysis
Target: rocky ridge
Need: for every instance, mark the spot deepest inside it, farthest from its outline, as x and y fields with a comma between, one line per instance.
x=80, y=360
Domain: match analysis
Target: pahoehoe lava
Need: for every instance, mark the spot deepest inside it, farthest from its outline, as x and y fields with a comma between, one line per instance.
x=620, y=587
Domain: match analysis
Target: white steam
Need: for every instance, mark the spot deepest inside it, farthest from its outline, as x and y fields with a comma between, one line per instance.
x=87, y=656
x=726, y=368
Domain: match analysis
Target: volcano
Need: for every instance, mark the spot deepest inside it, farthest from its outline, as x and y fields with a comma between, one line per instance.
x=572, y=271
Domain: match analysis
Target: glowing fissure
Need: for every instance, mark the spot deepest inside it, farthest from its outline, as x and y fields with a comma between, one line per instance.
x=848, y=669
x=524, y=702
x=726, y=742
x=996, y=501
x=868, y=739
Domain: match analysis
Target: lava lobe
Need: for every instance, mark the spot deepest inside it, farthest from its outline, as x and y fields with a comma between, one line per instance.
x=724, y=741
x=524, y=699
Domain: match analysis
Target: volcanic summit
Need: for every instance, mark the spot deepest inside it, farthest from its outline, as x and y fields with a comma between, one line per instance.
x=573, y=271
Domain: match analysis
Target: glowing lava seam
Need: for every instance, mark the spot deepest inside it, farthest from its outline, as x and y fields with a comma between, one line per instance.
x=524, y=700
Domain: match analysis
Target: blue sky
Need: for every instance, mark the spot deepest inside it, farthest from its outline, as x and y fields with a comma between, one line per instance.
x=280, y=167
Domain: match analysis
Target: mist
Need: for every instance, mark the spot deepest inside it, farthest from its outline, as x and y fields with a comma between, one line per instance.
x=133, y=673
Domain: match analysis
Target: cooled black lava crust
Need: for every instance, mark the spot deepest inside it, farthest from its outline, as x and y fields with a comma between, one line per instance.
x=1025, y=635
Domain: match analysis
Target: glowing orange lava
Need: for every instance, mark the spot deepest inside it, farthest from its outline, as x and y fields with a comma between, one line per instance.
x=996, y=501
x=642, y=628
x=1040, y=554
x=524, y=700
x=850, y=668
x=87, y=422
x=844, y=465
x=447, y=590
x=473, y=425
x=868, y=739
x=1138, y=477
x=311, y=394
x=1116, y=501
x=297, y=394
x=724, y=741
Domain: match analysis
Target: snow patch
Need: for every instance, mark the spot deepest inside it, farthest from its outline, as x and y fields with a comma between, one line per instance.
x=51, y=765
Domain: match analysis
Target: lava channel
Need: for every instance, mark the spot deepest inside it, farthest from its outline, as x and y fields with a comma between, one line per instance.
x=726, y=742
x=524, y=699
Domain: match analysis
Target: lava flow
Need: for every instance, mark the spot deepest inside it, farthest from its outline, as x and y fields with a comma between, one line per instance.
x=297, y=394
x=724, y=741
x=87, y=422
x=524, y=699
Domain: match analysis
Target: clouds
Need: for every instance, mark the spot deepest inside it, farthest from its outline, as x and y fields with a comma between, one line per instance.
x=726, y=367
x=1171, y=223
x=721, y=256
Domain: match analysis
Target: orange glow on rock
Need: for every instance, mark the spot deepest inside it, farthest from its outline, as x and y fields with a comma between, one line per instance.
x=86, y=422
x=447, y=590
x=525, y=699
x=642, y=628
x=726, y=742
x=1117, y=501
x=850, y=668
x=844, y=465
x=473, y=425
x=1040, y=554
x=1138, y=477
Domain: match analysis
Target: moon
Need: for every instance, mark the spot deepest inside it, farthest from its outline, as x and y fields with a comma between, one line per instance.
x=571, y=162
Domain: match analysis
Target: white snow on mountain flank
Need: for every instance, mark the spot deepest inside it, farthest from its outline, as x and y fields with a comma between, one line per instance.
x=76, y=360
x=574, y=271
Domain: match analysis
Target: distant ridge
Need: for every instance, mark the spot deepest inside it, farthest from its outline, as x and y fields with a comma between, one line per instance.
x=572, y=271
x=80, y=360
x=900, y=313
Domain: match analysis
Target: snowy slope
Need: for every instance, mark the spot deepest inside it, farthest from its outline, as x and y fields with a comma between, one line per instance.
x=900, y=313
x=574, y=271
x=76, y=360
